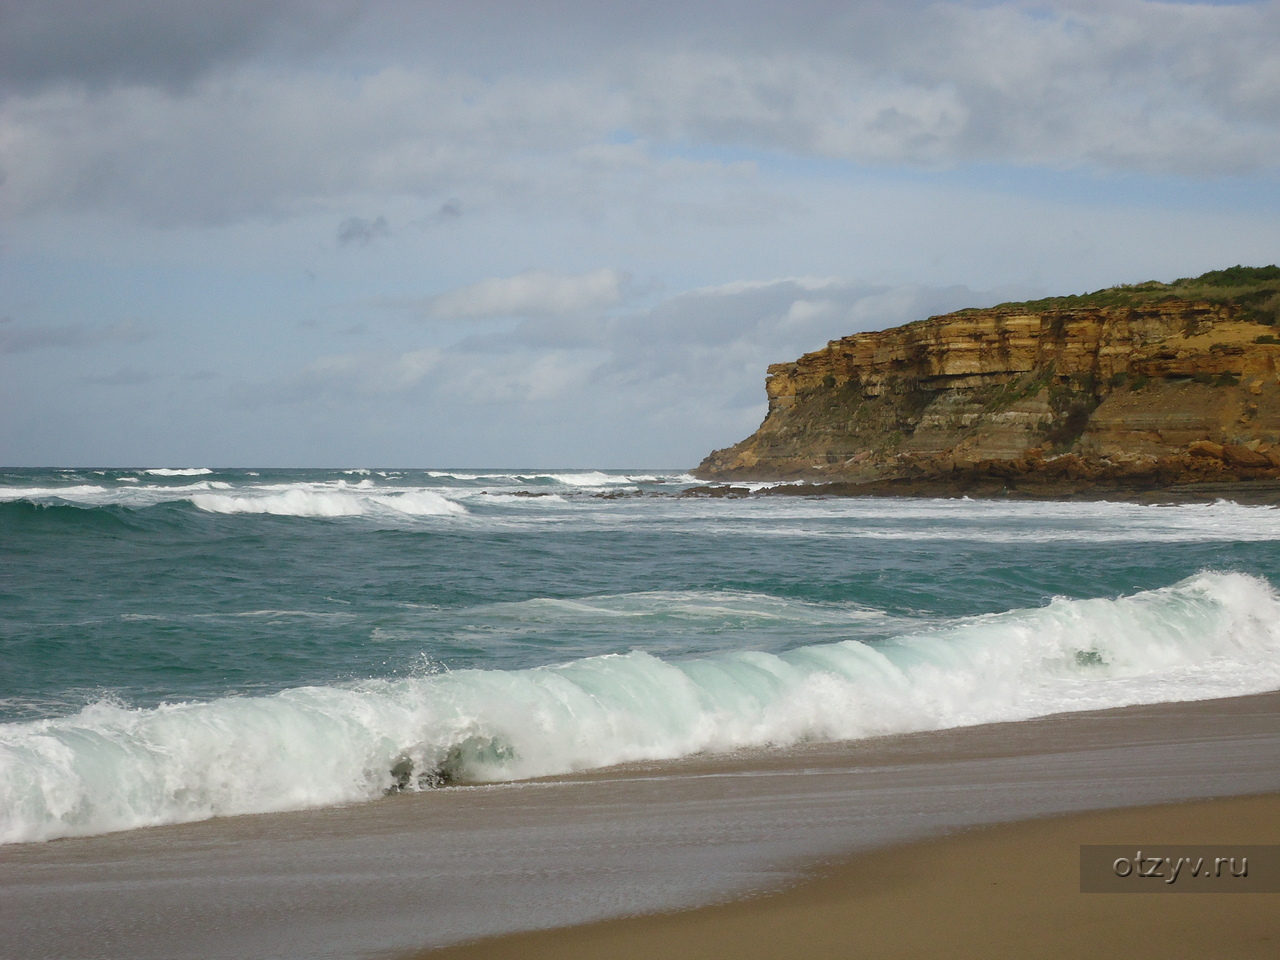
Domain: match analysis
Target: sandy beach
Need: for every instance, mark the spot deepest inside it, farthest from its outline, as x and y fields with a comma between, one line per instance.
x=448, y=866
x=1004, y=891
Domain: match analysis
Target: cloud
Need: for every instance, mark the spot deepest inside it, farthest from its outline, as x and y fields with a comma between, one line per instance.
x=254, y=143
x=18, y=339
x=1133, y=85
x=696, y=358
x=534, y=293
x=99, y=42
x=359, y=230
x=1183, y=89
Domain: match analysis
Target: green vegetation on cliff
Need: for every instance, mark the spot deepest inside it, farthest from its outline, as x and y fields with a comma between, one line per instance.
x=1255, y=289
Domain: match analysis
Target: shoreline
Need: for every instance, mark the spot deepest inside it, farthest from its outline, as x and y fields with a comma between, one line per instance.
x=425, y=870
x=1245, y=492
x=999, y=891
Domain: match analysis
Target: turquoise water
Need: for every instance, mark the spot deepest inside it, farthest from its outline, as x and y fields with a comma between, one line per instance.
x=180, y=644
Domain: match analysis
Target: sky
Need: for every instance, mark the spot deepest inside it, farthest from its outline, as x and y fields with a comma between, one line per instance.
x=392, y=233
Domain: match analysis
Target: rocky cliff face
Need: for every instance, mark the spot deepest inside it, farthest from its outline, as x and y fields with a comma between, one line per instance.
x=1155, y=391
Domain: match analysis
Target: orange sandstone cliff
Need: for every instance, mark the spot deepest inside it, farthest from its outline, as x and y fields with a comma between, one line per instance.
x=1148, y=386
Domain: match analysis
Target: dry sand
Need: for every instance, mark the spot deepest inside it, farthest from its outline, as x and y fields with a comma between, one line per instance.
x=995, y=892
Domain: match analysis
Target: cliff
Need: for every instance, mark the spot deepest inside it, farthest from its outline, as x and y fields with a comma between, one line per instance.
x=1148, y=385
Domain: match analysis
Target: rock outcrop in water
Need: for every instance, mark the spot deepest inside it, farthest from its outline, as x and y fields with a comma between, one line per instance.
x=1148, y=386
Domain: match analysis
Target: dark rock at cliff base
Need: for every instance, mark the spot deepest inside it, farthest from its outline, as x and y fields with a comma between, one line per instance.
x=1144, y=387
x=715, y=491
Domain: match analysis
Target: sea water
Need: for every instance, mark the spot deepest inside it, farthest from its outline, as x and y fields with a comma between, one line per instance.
x=185, y=643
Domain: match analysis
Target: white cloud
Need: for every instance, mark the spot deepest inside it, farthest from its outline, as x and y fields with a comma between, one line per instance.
x=534, y=293
x=253, y=143
x=1129, y=85
x=805, y=311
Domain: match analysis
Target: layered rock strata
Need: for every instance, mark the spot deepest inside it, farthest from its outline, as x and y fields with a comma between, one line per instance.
x=1151, y=394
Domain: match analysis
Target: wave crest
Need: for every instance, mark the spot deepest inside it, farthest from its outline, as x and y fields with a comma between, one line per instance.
x=345, y=503
x=111, y=767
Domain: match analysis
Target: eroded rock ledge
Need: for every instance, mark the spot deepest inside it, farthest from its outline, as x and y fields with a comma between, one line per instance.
x=1130, y=388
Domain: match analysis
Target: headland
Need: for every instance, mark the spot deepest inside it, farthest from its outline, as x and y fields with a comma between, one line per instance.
x=1128, y=390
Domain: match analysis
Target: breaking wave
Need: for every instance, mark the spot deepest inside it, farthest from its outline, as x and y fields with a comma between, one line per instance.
x=339, y=499
x=316, y=503
x=113, y=767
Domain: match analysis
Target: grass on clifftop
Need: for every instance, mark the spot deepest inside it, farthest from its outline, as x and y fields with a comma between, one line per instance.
x=1256, y=289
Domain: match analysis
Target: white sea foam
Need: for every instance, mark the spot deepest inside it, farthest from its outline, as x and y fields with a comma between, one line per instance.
x=513, y=497
x=353, y=502
x=81, y=491
x=990, y=521
x=779, y=518
x=273, y=615
x=183, y=472
x=590, y=478
x=111, y=767
x=337, y=499
x=716, y=606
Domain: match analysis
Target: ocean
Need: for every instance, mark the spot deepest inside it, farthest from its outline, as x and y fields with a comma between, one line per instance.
x=182, y=644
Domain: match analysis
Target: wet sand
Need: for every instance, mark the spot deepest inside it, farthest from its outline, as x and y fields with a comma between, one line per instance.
x=457, y=864
x=1008, y=891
